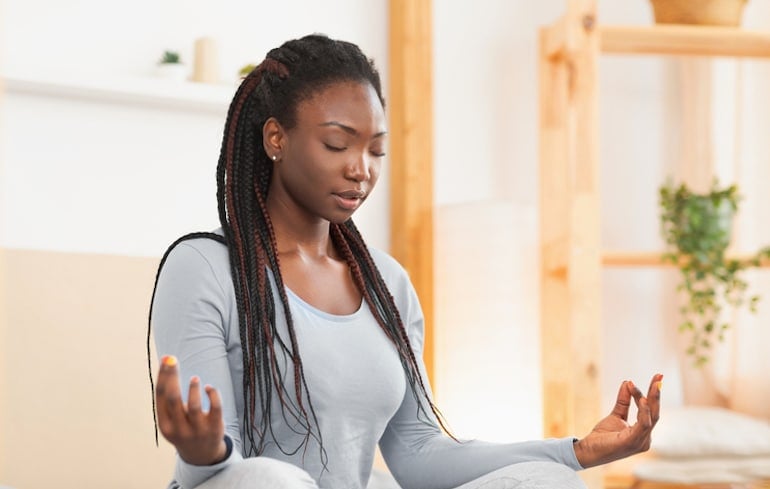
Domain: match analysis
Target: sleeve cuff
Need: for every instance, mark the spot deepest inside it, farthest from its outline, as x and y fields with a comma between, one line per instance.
x=189, y=475
x=568, y=452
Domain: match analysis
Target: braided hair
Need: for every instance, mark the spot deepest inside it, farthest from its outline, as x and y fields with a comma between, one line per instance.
x=290, y=74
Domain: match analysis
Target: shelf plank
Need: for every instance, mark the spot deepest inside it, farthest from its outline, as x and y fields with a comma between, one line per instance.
x=555, y=257
x=145, y=91
x=684, y=40
x=630, y=259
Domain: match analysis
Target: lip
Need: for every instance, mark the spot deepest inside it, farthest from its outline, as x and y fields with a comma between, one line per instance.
x=351, y=194
x=349, y=199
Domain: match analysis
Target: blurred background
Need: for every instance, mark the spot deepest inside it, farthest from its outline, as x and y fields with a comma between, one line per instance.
x=105, y=162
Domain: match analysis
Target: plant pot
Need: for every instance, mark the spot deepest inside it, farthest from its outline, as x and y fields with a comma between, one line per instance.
x=698, y=12
x=172, y=71
x=706, y=220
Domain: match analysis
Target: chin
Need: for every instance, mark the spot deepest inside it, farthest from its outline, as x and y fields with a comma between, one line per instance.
x=340, y=220
x=340, y=217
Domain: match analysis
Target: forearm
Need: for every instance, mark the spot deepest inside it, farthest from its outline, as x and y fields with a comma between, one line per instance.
x=440, y=462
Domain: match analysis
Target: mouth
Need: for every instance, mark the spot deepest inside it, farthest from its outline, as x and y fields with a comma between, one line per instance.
x=350, y=199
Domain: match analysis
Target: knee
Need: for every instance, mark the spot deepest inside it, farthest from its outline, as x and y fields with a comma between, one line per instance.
x=269, y=472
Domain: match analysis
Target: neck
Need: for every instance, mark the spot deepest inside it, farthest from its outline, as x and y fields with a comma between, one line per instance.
x=295, y=233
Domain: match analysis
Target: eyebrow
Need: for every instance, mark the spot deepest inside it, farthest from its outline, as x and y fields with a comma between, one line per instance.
x=349, y=129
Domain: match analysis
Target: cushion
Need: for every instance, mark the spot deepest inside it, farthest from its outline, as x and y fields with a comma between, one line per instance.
x=707, y=470
x=709, y=431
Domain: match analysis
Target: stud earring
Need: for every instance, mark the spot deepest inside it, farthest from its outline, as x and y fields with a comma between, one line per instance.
x=275, y=157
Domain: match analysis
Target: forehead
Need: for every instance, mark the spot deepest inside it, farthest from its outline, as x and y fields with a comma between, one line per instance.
x=349, y=102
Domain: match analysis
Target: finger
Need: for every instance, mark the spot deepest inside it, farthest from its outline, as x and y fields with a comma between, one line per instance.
x=168, y=399
x=643, y=415
x=634, y=392
x=194, y=398
x=215, y=409
x=167, y=391
x=653, y=397
x=623, y=401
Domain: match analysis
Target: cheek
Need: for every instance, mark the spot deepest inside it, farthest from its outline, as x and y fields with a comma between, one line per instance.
x=374, y=171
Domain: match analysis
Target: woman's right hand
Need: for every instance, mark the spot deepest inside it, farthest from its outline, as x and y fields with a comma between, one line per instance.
x=198, y=436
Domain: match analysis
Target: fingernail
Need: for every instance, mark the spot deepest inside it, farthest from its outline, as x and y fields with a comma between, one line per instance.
x=660, y=385
x=169, y=361
x=195, y=379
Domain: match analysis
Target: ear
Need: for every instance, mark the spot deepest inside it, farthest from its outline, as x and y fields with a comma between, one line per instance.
x=273, y=138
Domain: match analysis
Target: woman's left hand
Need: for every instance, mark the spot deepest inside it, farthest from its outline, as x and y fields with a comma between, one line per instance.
x=613, y=438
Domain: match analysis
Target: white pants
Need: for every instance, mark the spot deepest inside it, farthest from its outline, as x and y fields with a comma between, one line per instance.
x=268, y=473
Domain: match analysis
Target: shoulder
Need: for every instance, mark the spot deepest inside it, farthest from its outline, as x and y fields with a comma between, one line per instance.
x=404, y=295
x=393, y=273
x=387, y=265
x=209, y=247
x=197, y=257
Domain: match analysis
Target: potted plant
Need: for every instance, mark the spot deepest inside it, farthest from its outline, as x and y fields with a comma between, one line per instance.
x=697, y=228
x=170, y=66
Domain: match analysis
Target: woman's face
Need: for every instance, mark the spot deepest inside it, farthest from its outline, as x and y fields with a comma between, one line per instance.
x=329, y=162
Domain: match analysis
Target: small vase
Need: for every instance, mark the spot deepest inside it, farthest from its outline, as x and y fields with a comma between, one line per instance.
x=172, y=71
x=699, y=12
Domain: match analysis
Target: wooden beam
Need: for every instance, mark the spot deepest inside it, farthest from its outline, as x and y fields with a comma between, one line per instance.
x=685, y=40
x=645, y=259
x=570, y=234
x=554, y=256
x=583, y=262
x=554, y=210
x=411, y=150
x=554, y=39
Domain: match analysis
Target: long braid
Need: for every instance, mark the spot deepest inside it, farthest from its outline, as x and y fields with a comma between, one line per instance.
x=226, y=177
x=254, y=251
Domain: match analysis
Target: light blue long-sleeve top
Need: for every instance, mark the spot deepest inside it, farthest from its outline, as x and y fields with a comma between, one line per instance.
x=354, y=376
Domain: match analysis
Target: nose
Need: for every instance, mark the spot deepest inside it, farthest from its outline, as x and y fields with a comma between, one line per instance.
x=359, y=169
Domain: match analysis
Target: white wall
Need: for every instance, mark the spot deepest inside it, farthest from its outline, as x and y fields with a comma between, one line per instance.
x=112, y=178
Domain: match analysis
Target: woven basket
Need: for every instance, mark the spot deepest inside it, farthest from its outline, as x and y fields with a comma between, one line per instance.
x=700, y=12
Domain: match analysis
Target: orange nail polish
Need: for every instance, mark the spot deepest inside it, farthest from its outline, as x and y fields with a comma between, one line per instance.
x=169, y=361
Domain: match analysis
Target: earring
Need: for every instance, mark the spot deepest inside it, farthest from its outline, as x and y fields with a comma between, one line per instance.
x=275, y=157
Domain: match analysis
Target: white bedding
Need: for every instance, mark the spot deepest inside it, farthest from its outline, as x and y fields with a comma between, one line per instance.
x=704, y=470
x=696, y=445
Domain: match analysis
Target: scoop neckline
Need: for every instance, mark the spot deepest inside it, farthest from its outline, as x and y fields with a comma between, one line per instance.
x=323, y=314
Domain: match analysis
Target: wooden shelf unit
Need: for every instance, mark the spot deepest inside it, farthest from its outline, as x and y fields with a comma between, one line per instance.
x=571, y=254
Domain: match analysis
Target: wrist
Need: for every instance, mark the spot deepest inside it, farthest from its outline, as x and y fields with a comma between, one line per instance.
x=224, y=450
x=580, y=452
x=228, y=448
x=209, y=457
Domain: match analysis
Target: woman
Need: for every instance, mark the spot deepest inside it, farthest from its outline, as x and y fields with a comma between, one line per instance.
x=309, y=343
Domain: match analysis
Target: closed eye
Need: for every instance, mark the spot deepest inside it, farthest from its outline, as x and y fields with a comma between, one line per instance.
x=337, y=149
x=378, y=155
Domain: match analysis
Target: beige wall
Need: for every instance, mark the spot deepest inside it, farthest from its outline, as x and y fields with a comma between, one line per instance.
x=3, y=360
x=76, y=400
